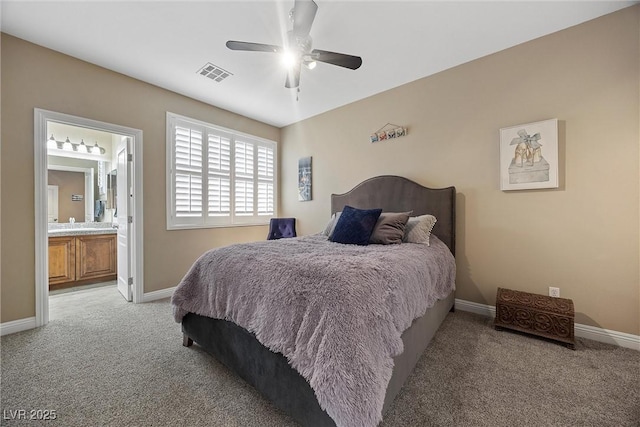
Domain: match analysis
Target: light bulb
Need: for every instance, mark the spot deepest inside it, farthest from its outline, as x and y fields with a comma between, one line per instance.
x=82, y=148
x=288, y=59
x=51, y=142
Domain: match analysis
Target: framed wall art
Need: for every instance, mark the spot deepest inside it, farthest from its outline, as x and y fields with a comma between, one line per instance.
x=304, y=179
x=529, y=156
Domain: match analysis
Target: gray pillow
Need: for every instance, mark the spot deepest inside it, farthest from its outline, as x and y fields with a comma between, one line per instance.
x=390, y=228
x=418, y=229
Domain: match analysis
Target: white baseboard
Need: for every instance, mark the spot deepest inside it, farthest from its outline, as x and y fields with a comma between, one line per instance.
x=474, y=307
x=583, y=331
x=19, y=325
x=608, y=336
x=156, y=295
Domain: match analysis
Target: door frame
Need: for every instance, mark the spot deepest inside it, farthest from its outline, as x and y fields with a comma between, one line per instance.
x=41, y=117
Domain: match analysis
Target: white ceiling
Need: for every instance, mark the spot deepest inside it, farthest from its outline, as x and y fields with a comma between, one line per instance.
x=165, y=43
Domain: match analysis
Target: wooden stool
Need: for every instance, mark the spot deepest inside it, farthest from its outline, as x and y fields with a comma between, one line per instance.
x=540, y=315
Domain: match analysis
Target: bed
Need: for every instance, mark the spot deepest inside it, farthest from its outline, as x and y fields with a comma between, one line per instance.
x=245, y=350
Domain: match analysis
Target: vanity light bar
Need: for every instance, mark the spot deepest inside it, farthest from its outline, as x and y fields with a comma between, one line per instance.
x=80, y=147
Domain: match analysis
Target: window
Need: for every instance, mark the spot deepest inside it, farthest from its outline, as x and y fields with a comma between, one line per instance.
x=217, y=177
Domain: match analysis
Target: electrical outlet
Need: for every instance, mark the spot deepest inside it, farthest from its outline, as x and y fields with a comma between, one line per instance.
x=554, y=292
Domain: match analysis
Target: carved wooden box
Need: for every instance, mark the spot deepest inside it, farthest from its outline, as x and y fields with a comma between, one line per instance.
x=535, y=314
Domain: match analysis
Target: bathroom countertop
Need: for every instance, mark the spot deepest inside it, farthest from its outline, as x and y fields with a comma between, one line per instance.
x=80, y=230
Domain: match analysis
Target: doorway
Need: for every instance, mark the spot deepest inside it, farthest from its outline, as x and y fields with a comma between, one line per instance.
x=126, y=155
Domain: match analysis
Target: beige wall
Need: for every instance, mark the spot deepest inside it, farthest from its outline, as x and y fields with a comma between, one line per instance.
x=35, y=77
x=581, y=237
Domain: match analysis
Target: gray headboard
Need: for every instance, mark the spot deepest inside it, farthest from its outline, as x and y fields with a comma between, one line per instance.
x=398, y=194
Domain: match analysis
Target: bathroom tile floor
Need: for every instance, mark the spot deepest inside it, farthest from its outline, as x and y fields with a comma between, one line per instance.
x=82, y=288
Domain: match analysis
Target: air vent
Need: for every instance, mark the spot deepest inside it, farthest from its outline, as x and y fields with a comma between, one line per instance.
x=214, y=72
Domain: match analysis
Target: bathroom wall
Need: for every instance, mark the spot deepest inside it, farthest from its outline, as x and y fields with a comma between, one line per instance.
x=69, y=183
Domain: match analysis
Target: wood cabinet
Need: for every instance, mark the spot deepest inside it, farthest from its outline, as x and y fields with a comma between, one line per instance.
x=95, y=256
x=82, y=259
x=62, y=259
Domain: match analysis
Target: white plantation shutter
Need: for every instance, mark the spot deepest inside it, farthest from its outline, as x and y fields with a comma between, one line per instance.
x=188, y=172
x=244, y=197
x=265, y=180
x=244, y=179
x=217, y=177
x=219, y=174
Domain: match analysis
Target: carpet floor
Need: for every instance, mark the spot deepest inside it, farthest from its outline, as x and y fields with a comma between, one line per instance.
x=104, y=362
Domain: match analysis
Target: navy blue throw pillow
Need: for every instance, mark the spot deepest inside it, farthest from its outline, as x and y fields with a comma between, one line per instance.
x=355, y=226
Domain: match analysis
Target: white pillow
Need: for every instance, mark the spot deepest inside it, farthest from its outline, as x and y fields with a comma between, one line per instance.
x=418, y=229
x=331, y=225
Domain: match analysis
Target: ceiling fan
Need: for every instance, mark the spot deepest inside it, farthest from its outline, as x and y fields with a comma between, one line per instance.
x=298, y=50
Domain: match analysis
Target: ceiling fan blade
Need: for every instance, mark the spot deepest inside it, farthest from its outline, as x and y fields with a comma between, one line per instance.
x=253, y=47
x=293, y=77
x=304, y=12
x=339, y=59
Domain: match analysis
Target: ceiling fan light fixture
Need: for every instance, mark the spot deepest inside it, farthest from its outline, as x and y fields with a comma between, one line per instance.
x=298, y=49
x=289, y=59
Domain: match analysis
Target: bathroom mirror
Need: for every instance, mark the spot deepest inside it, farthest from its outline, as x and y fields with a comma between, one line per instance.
x=75, y=190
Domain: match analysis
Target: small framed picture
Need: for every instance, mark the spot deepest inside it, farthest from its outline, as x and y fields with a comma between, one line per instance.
x=529, y=156
x=304, y=179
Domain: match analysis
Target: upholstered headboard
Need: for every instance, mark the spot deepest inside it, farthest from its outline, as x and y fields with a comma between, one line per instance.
x=398, y=194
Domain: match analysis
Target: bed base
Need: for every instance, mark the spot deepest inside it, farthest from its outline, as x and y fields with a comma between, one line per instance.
x=271, y=374
x=266, y=371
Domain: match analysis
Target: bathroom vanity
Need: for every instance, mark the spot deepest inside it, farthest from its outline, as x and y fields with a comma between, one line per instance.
x=81, y=255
